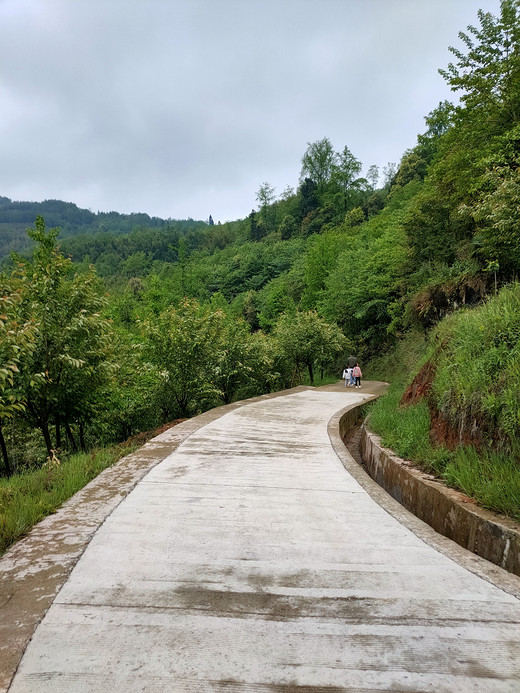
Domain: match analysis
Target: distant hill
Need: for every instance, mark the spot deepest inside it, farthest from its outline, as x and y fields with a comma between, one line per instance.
x=15, y=217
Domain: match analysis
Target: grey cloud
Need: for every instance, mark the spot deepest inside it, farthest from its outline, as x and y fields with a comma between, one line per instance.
x=182, y=108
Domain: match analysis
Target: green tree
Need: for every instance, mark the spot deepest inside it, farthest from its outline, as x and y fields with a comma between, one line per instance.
x=488, y=72
x=244, y=363
x=265, y=198
x=306, y=339
x=498, y=215
x=63, y=374
x=288, y=227
x=17, y=337
x=475, y=167
x=256, y=230
x=373, y=176
x=132, y=395
x=318, y=162
x=307, y=198
x=320, y=258
x=345, y=175
x=183, y=342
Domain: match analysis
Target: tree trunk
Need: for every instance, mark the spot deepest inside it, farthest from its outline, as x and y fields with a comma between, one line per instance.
x=44, y=428
x=311, y=374
x=72, y=442
x=3, y=447
x=82, y=437
x=58, y=435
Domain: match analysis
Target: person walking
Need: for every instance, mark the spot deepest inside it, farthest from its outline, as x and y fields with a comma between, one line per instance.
x=351, y=362
x=357, y=374
x=347, y=374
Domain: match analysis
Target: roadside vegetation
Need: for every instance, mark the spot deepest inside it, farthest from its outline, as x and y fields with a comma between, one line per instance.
x=126, y=323
x=459, y=417
x=27, y=498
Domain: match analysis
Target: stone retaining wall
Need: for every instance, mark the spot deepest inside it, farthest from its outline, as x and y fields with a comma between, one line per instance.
x=449, y=512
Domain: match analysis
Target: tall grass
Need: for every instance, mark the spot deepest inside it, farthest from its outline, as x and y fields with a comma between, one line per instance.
x=406, y=430
x=491, y=478
x=477, y=381
x=27, y=498
x=476, y=390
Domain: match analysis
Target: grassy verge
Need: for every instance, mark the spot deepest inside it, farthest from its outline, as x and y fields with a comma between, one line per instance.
x=492, y=478
x=27, y=498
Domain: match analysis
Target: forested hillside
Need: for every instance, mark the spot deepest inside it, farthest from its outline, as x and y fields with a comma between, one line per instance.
x=15, y=217
x=143, y=325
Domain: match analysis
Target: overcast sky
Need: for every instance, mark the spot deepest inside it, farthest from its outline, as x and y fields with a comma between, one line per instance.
x=182, y=108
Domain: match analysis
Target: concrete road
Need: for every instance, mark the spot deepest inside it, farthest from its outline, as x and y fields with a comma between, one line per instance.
x=251, y=560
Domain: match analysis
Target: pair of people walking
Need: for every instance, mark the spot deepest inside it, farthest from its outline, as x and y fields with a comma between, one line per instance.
x=352, y=373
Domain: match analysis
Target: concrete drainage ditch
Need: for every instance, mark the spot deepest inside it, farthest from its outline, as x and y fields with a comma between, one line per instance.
x=450, y=513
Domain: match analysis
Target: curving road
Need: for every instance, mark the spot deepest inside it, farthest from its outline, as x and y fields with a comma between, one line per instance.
x=251, y=560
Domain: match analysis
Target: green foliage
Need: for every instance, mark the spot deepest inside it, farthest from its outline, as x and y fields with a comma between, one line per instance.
x=182, y=343
x=406, y=430
x=81, y=227
x=493, y=479
x=17, y=337
x=288, y=227
x=498, y=214
x=131, y=397
x=27, y=498
x=265, y=198
x=61, y=377
x=306, y=340
x=478, y=370
x=368, y=276
x=274, y=300
x=474, y=400
x=488, y=72
x=320, y=259
x=318, y=162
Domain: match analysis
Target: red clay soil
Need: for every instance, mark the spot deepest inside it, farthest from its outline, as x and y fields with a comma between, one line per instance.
x=442, y=432
x=420, y=386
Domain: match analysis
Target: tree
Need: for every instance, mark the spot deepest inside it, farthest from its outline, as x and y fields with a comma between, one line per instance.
x=345, y=174
x=17, y=338
x=307, y=198
x=373, y=176
x=306, y=339
x=476, y=165
x=131, y=396
x=240, y=361
x=488, y=73
x=354, y=217
x=62, y=376
x=288, y=227
x=286, y=193
x=183, y=342
x=256, y=230
x=438, y=121
x=498, y=214
x=320, y=259
x=265, y=198
x=318, y=162
x=389, y=172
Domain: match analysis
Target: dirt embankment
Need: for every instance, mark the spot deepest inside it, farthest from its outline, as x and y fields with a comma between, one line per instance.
x=442, y=431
